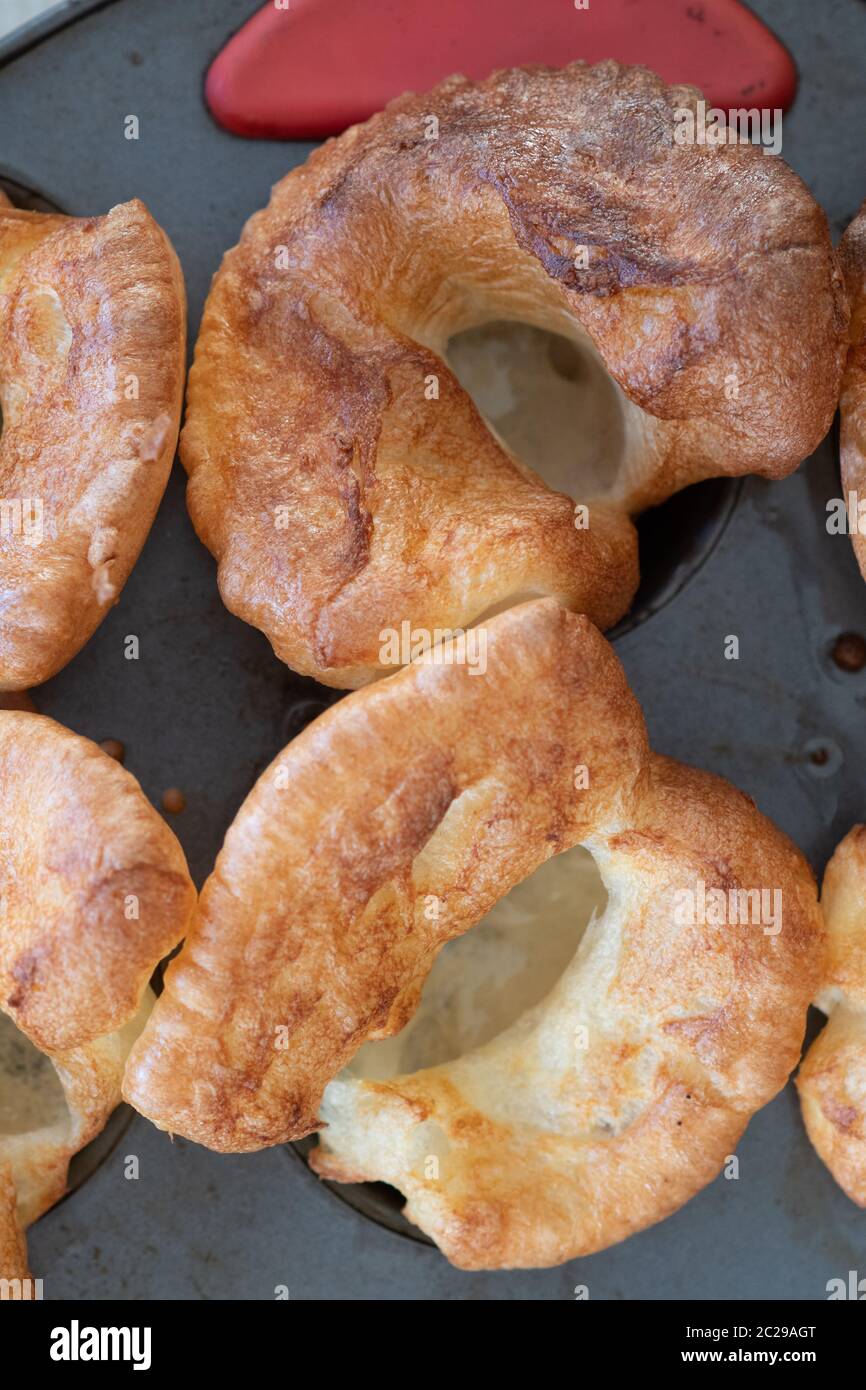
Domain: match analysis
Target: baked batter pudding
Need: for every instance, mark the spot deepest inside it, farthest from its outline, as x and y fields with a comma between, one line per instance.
x=94, y=891
x=447, y=930
x=468, y=341
x=832, y=1079
x=92, y=341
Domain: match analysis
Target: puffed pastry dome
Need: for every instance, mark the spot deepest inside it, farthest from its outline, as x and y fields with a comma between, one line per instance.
x=92, y=344
x=340, y=471
x=832, y=1079
x=527, y=1133
x=94, y=891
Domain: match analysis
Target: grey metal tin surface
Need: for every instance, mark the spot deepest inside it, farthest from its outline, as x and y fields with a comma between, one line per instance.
x=207, y=706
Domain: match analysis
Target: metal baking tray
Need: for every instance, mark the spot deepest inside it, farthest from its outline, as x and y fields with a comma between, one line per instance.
x=208, y=705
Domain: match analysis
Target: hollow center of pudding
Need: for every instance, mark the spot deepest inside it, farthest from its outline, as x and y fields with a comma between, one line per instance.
x=484, y=980
x=548, y=399
x=31, y=1096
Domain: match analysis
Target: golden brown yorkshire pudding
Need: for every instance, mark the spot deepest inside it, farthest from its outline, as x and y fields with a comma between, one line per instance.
x=92, y=335
x=339, y=471
x=94, y=891
x=832, y=1079
x=570, y=1090
x=852, y=403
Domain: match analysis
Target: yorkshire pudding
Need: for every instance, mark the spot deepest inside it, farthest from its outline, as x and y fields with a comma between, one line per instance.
x=832, y=1079
x=340, y=472
x=852, y=402
x=94, y=891
x=393, y=825
x=92, y=334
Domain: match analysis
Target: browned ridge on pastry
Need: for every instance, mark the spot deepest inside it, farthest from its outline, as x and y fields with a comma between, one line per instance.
x=94, y=891
x=340, y=500
x=832, y=1079
x=450, y=786
x=92, y=338
x=852, y=403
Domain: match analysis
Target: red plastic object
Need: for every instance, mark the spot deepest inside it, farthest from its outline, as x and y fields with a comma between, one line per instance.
x=314, y=68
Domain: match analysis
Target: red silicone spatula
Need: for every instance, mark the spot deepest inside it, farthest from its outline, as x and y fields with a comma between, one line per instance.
x=313, y=67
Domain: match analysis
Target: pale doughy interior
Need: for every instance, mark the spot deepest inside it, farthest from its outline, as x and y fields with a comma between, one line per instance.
x=484, y=980
x=548, y=399
x=31, y=1095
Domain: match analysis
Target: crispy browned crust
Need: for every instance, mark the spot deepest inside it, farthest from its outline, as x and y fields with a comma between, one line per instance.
x=80, y=843
x=312, y=937
x=13, y=1247
x=86, y=305
x=712, y=296
x=94, y=891
x=852, y=402
x=832, y=1079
